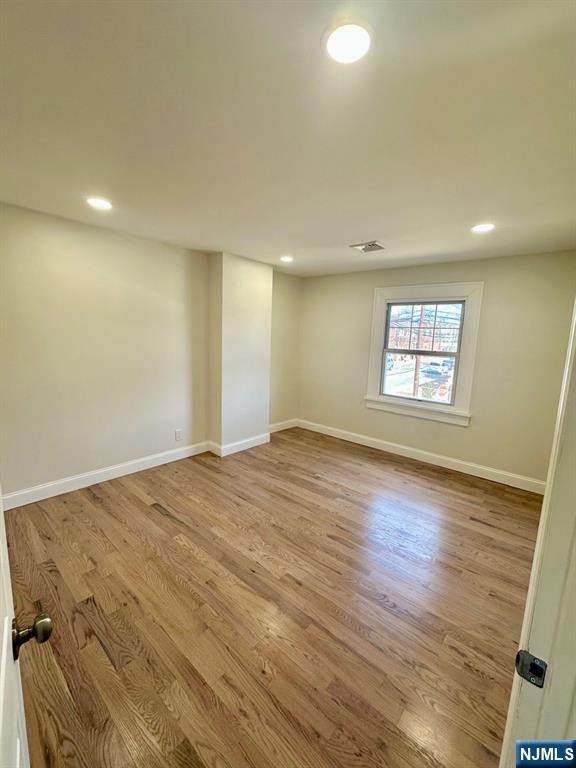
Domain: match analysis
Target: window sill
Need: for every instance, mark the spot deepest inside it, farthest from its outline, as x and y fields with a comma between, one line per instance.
x=446, y=413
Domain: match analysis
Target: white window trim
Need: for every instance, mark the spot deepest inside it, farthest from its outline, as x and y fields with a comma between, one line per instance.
x=459, y=413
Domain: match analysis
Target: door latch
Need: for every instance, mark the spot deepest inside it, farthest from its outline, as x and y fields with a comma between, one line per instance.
x=531, y=668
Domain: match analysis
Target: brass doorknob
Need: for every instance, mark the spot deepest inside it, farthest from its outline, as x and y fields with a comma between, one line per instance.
x=40, y=630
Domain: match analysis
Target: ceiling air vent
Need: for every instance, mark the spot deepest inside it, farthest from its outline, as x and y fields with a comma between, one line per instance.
x=369, y=247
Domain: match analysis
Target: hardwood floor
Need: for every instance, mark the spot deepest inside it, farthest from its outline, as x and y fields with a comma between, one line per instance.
x=305, y=604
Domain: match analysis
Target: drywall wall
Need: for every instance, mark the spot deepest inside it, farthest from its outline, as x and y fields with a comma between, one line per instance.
x=240, y=317
x=246, y=329
x=102, y=348
x=215, y=348
x=108, y=343
x=284, y=371
x=522, y=341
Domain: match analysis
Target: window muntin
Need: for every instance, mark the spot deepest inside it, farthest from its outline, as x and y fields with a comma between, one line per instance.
x=421, y=350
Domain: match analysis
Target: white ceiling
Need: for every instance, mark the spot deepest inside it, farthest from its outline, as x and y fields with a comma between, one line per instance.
x=224, y=126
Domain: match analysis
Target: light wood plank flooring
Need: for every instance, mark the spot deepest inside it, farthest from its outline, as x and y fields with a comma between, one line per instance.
x=305, y=604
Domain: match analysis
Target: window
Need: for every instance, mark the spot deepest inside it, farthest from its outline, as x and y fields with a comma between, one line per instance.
x=422, y=352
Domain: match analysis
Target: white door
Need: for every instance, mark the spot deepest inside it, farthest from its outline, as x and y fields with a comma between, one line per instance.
x=549, y=628
x=13, y=744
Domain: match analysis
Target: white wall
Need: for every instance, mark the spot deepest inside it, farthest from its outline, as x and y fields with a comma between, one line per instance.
x=215, y=348
x=102, y=348
x=240, y=337
x=246, y=324
x=108, y=343
x=285, y=370
x=522, y=343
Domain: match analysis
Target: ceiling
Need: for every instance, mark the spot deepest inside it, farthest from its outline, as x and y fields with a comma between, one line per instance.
x=224, y=125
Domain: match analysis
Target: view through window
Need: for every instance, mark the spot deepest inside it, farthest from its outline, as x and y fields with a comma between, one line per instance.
x=422, y=345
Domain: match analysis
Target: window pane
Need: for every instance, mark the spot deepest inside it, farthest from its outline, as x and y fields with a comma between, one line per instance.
x=435, y=377
x=445, y=340
x=419, y=377
x=428, y=316
x=399, y=373
x=399, y=338
x=449, y=315
x=423, y=315
x=400, y=315
x=422, y=338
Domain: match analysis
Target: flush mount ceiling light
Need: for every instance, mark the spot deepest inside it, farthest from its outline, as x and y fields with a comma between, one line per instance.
x=287, y=259
x=348, y=43
x=99, y=203
x=479, y=228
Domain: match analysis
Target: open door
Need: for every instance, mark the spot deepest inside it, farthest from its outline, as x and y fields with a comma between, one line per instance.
x=549, y=629
x=13, y=744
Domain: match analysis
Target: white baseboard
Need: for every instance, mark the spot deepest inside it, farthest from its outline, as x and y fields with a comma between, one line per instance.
x=241, y=445
x=488, y=473
x=280, y=425
x=75, y=482
x=469, y=468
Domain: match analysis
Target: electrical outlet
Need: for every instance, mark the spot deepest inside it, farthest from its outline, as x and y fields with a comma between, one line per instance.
x=177, y=434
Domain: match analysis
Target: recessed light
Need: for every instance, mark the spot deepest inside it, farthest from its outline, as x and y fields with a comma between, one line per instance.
x=99, y=203
x=287, y=259
x=478, y=228
x=348, y=43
